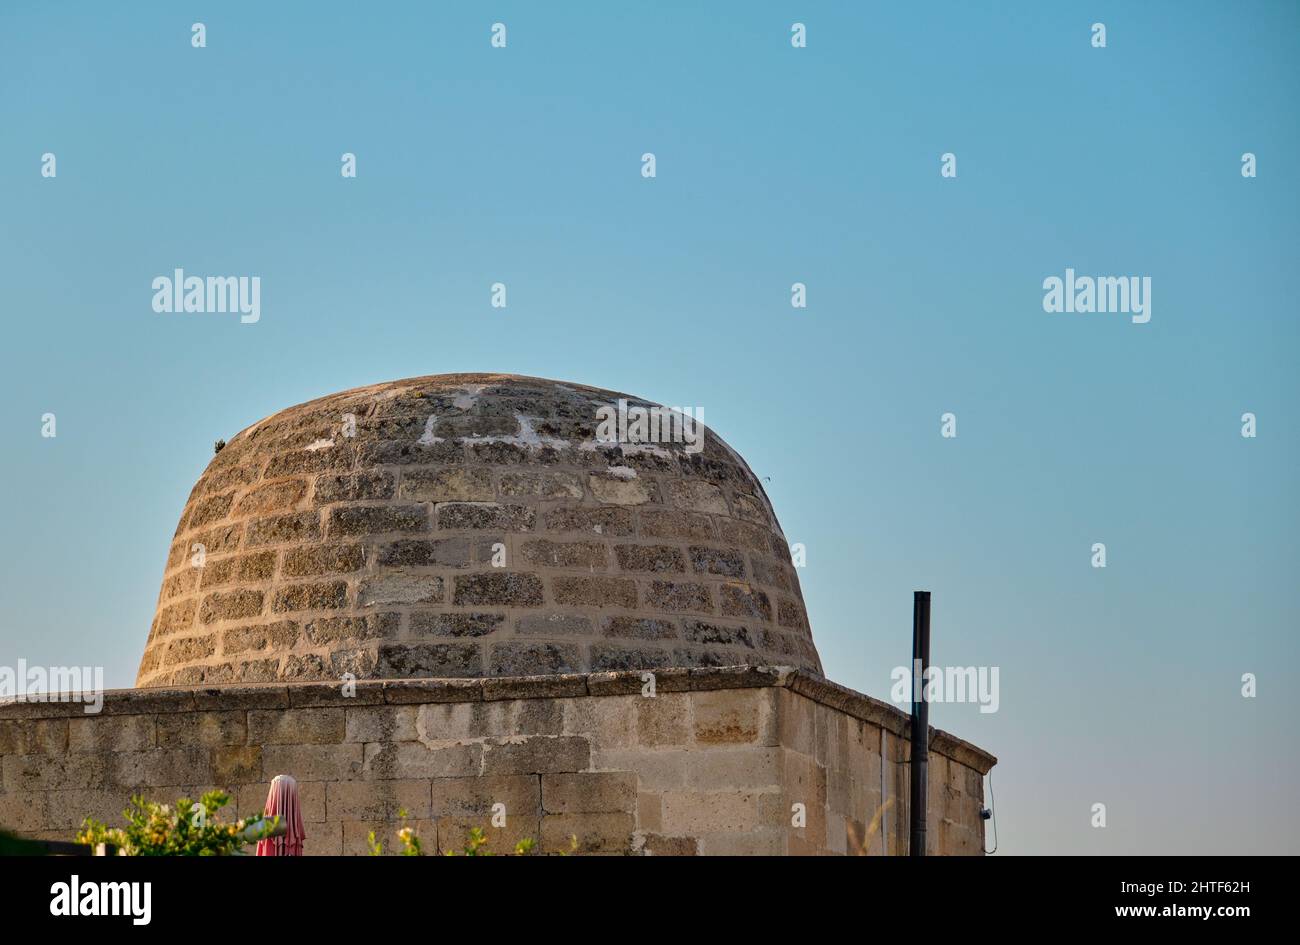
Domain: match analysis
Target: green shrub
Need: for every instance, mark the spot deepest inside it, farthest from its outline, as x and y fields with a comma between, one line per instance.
x=186, y=829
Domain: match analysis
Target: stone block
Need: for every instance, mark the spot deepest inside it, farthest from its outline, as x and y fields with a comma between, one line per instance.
x=608, y=722
x=354, y=486
x=376, y=800
x=297, y=527
x=135, y=769
x=482, y=516
x=505, y=589
x=727, y=716
x=429, y=659
x=319, y=726
x=407, y=760
x=583, y=555
x=201, y=730
x=330, y=595
x=748, y=768
x=543, y=485
x=522, y=658
x=693, y=813
x=457, y=483
x=237, y=764
x=416, y=552
x=357, y=520
x=650, y=558
x=313, y=560
x=473, y=798
x=399, y=588
x=664, y=719
x=595, y=591
x=313, y=762
x=589, y=792
x=594, y=833
x=617, y=490
x=455, y=624
x=380, y=723
x=554, y=625
x=230, y=605
x=726, y=562
x=674, y=524
x=537, y=754
x=679, y=597
x=607, y=522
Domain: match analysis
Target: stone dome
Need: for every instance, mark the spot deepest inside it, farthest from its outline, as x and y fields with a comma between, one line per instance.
x=473, y=525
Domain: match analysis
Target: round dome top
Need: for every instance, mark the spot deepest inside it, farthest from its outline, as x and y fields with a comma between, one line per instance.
x=471, y=525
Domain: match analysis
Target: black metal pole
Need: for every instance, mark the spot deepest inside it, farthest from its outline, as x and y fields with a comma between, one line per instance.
x=920, y=720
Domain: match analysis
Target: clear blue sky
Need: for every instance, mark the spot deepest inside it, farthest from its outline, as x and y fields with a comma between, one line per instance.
x=775, y=165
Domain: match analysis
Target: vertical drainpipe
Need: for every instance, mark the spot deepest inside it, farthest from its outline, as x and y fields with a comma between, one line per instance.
x=920, y=721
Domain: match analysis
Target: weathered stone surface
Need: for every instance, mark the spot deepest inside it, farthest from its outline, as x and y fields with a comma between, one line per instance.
x=465, y=484
x=230, y=605
x=650, y=558
x=548, y=485
x=616, y=490
x=520, y=658
x=500, y=588
x=98, y=733
x=377, y=800
x=581, y=793
x=595, y=591
x=329, y=595
x=377, y=519
x=480, y=516
x=437, y=659
x=614, y=656
x=587, y=833
x=323, y=559
x=456, y=625
x=566, y=554
x=414, y=552
x=300, y=526
x=308, y=528
x=679, y=597
x=417, y=760
x=724, y=561
x=608, y=522
x=475, y=797
x=538, y=754
x=697, y=496
x=347, y=487
x=323, y=726
x=554, y=625
x=639, y=628
x=280, y=635
x=399, y=588
x=710, y=765
x=272, y=497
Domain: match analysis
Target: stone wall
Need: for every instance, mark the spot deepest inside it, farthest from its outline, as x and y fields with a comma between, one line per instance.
x=712, y=764
x=469, y=525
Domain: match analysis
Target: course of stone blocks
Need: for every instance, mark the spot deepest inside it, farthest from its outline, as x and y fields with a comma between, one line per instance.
x=470, y=525
x=715, y=762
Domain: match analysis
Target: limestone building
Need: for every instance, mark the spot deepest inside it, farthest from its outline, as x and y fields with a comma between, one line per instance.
x=602, y=632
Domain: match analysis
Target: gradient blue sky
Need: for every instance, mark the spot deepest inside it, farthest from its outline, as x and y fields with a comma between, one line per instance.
x=775, y=165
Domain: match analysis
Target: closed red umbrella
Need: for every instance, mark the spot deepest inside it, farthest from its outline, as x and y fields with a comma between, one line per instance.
x=282, y=802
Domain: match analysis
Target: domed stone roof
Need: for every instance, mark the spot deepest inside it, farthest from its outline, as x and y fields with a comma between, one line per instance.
x=473, y=525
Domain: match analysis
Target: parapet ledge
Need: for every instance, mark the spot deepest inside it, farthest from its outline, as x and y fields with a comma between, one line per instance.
x=495, y=689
